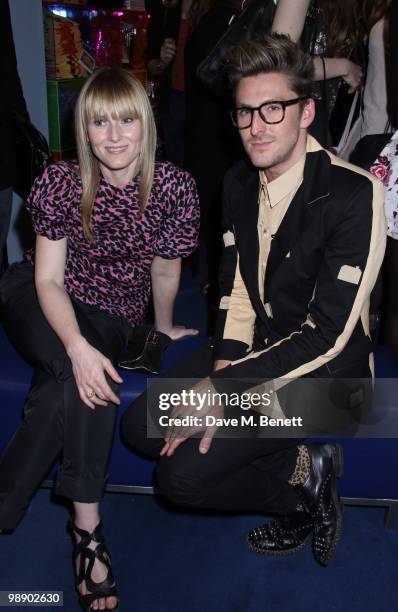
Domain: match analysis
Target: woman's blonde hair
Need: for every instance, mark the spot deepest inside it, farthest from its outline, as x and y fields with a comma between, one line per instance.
x=115, y=93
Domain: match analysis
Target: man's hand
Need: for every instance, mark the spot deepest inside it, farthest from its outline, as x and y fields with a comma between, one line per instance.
x=176, y=435
x=220, y=364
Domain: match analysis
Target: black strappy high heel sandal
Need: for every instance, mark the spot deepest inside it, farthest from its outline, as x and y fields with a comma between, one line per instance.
x=98, y=590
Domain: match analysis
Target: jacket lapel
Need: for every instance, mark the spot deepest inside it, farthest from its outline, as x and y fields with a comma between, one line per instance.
x=316, y=181
x=314, y=188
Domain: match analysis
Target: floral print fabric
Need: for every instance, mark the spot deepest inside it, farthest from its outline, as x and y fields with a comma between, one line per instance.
x=385, y=168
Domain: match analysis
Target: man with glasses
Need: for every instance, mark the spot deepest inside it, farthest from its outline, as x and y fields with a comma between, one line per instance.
x=304, y=238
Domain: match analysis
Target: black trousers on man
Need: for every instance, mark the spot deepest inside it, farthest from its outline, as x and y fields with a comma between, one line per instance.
x=55, y=420
x=240, y=474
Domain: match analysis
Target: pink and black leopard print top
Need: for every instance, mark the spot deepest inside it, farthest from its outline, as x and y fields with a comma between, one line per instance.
x=113, y=273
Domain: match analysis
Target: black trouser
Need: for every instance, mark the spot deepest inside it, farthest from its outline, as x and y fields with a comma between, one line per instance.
x=5, y=219
x=245, y=474
x=55, y=419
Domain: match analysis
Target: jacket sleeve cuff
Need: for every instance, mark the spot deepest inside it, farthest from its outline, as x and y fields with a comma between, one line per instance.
x=230, y=350
x=226, y=381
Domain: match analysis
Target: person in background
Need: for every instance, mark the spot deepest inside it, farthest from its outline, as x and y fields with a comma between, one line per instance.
x=374, y=117
x=106, y=227
x=210, y=146
x=11, y=100
x=167, y=36
x=329, y=31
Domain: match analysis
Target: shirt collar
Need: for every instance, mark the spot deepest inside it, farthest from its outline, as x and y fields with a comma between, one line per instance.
x=290, y=180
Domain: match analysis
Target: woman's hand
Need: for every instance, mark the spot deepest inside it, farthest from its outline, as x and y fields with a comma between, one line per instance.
x=89, y=368
x=353, y=75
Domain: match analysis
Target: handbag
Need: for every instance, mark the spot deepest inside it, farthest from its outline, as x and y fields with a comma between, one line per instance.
x=32, y=154
x=145, y=348
x=254, y=19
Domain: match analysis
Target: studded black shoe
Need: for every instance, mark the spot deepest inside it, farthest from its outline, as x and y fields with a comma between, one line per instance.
x=320, y=498
x=285, y=535
x=86, y=558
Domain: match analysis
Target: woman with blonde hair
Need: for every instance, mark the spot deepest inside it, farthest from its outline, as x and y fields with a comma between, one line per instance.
x=106, y=226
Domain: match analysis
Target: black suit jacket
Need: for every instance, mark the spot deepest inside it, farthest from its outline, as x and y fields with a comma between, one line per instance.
x=323, y=262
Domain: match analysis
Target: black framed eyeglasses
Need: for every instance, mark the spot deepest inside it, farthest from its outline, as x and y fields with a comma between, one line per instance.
x=270, y=112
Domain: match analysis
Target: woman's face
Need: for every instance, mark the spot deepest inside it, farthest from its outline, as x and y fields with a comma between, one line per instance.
x=116, y=143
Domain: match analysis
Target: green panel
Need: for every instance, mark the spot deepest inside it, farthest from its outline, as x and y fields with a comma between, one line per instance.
x=61, y=98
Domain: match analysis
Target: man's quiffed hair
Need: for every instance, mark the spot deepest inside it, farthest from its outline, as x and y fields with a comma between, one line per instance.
x=271, y=53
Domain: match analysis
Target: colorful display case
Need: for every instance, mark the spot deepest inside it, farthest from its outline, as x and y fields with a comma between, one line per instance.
x=78, y=39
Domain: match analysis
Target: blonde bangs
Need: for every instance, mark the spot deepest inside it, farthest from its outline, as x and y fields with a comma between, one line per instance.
x=111, y=100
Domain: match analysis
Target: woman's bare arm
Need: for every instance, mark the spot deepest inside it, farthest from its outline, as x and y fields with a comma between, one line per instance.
x=88, y=364
x=165, y=275
x=290, y=17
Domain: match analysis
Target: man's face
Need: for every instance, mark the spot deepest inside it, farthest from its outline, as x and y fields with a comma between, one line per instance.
x=273, y=148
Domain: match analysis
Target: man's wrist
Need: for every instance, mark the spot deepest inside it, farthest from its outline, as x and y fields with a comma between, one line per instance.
x=220, y=364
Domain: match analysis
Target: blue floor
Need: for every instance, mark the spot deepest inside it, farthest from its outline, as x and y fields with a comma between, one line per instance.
x=167, y=561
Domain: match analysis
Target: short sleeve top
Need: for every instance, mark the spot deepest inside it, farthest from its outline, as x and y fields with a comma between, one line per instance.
x=113, y=272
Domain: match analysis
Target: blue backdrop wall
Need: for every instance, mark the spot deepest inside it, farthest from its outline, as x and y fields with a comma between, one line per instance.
x=27, y=25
